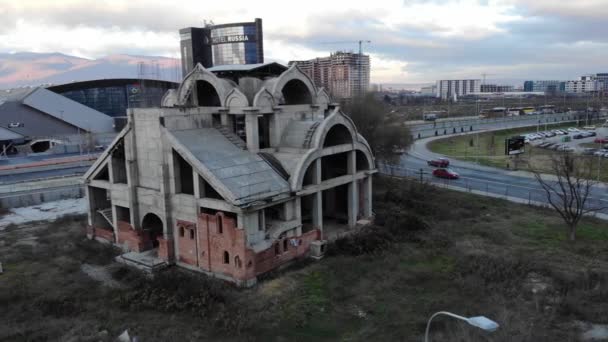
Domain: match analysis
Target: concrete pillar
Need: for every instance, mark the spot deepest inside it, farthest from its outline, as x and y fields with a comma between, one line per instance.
x=353, y=204
x=367, y=197
x=352, y=162
x=90, y=211
x=197, y=184
x=251, y=129
x=317, y=210
x=224, y=119
x=115, y=223
x=316, y=176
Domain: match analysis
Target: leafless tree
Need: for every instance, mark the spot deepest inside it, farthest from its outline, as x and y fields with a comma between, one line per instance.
x=568, y=191
x=370, y=115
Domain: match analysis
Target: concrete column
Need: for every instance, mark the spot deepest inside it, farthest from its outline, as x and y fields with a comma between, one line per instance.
x=90, y=211
x=115, y=223
x=367, y=197
x=251, y=129
x=197, y=185
x=317, y=210
x=353, y=204
x=316, y=176
x=352, y=162
x=224, y=119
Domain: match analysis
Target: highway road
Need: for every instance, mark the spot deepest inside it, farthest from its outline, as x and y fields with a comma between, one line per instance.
x=74, y=170
x=517, y=186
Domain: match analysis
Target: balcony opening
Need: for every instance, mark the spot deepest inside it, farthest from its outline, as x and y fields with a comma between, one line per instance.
x=184, y=183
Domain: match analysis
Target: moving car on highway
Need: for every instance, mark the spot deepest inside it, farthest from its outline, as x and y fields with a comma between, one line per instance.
x=441, y=162
x=446, y=173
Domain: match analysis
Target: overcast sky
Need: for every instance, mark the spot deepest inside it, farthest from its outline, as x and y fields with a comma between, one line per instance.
x=413, y=41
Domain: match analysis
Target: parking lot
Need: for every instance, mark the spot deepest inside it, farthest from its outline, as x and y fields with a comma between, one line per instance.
x=577, y=140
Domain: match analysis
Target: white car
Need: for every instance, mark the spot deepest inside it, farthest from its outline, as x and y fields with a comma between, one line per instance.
x=572, y=129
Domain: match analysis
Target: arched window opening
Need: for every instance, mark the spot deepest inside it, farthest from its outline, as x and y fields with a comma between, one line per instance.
x=296, y=92
x=277, y=249
x=181, y=231
x=226, y=257
x=207, y=95
x=191, y=234
x=153, y=225
x=285, y=245
x=237, y=262
x=338, y=135
x=362, y=163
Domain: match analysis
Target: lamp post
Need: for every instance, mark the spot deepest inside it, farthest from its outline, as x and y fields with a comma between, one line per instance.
x=480, y=322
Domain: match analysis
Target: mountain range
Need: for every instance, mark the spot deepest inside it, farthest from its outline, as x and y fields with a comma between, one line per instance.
x=34, y=69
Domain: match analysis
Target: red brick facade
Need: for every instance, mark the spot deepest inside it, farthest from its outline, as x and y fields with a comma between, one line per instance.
x=100, y=234
x=165, y=249
x=216, y=245
x=136, y=240
x=185, y=235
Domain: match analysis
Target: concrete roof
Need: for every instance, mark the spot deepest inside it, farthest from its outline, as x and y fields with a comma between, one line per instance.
x=7, y=134
x=69, y=111
x=244, y=174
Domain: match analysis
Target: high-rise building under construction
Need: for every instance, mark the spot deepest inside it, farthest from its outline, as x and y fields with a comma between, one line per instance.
x=344, y=75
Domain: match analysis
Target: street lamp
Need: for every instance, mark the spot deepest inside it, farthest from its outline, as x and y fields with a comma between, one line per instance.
x=480, y=322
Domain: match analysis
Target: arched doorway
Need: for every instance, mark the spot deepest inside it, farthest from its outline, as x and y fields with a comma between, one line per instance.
x=153, y=225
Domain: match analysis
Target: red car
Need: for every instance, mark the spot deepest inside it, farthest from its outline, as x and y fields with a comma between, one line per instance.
x=441, y=162
x=601, y=140
x=445, y=173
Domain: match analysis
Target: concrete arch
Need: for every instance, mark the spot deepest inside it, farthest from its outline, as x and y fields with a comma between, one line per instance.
x=291, y=74
x=336, y=118
x=199, y=73
x=263, y=99
x=169, y=99
x=297, y=178
x=236, y=98
x=323, y=99
x=155, y=227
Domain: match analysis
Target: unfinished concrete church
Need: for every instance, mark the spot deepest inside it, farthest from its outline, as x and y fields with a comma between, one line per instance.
x=242, y=169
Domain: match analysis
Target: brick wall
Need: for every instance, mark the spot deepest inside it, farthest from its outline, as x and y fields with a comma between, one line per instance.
x=216, y=245
x=277, y=254
x=185, y=234
x=100, y=233
x=222, y=247
x=165, y=249
x=135, y=240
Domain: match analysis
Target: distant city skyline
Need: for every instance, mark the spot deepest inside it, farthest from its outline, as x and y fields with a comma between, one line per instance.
x=413, y=41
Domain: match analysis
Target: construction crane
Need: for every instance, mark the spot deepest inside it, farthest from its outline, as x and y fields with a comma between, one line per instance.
x=484, y=75
x=360, y=42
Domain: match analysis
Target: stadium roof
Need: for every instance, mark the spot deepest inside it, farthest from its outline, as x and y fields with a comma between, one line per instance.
x=256, y=70
x=7, y=134
x=69, y=111
x=110, y=82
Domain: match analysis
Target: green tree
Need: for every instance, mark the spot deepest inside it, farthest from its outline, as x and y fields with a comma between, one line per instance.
x=370, y=115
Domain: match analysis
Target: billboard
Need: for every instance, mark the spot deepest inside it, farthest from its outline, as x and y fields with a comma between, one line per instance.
x=515, y=145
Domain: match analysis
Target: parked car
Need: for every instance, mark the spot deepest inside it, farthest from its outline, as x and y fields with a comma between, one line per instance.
x=589, y=151
x=572, y=129
x=446, y=173
x=441, y=162
x=601, y=140
x=578, y=136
